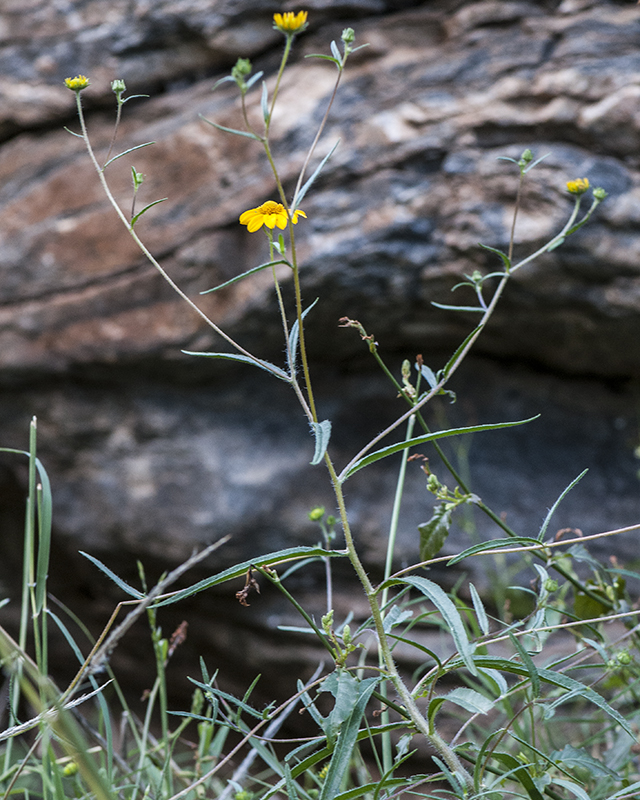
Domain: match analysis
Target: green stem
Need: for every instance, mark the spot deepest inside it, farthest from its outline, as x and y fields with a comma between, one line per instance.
x=143, y=248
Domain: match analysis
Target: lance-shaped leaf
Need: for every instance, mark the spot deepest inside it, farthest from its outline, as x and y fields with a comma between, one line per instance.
x=294, y=336
x=505, y=258
x=434, y=532
x=493, y=544
x=126, y=152
x=256, y=362
x=447, y=609
x=429, y=437
x=300, y=196
x=246, y=134
x=237, y=571
x=322, y=432
x=246, y=274
x=146, y=208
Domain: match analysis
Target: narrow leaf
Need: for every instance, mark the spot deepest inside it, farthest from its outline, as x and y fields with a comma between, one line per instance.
x=336, y=61
x=269, y=560
x=322, y=432
x=246, y=274
x=254, y=78
x=264, y=102
x=247, y=134
x=503, y=256
x=343, y=752
x=256, y=362
x=450, y=363
x=449, y=612
x=478, y=606
x=335, y=52
x=146, y=208
x=458, y=308
x=493, y=544
x=126, y=152
x=551, y=512
x=300, y=196
x=470, y=700
x=294, y=335
x=528, y=664
x=110, y=574
x=520, y=771
x=429, y=437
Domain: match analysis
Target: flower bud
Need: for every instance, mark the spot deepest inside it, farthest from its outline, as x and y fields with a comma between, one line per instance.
x=599, y=193
x=77, y=84
x=348, y=36
x=316, y=514
x=578, y=186
x=118, y=86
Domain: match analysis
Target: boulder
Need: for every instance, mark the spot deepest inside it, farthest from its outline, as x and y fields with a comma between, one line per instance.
x=152, y=452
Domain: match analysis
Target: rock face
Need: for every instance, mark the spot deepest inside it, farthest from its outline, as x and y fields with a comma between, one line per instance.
x=152, y=452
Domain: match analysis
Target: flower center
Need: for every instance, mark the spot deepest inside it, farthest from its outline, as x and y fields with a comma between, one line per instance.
x=271, y=207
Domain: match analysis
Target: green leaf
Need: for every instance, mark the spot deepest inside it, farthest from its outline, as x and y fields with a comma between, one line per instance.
x=551, y=511
x=294, y=335
x=256, y=362
x=428, y=375
x=449, y=612
x=126, y=152
x=264, y=102
x=505, y=258
x=520, y=772
x=345, y=689
x=237, y=571
x=343, y=752
x=478, y=606
x=429, y=437
x=246, y=274
x=450, y=363
x=527, y=662
x=572, y=787
x=555, y=679
x=475, y=309
x=44, y=500
x=322, y=432
x=320, y=55
x=493, y=544
x=146, y=208
x=470, y=700
x=434, y=532
x=300, y=195
x=117, y=580
x=222, y=128
x=573, y=757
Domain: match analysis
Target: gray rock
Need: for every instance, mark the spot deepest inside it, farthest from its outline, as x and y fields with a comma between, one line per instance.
x=152, y=452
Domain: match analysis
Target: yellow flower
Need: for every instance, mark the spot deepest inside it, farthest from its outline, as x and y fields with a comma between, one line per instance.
x=77, y=84
x=271, y=214
x=579, y=186
x=289, y=22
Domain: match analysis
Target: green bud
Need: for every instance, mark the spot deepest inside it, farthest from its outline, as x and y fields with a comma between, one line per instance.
x=327, y=622
x=243, y=795
x=70, y=769
x=138, y=179
x=550, y=585
x=526, y=158
x=433, y=484
x=623, y=658
x=406, y=369
x=599, y=193
x=346, y=635
x=118, y=86
x=331, y=520
x=241, y=70
x=348, y=36
x=316, y=514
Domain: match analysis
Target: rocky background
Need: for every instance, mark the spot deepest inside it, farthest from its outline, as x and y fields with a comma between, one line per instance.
x=152, y=453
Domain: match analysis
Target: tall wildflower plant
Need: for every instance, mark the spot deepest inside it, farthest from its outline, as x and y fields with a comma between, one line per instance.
x=527, y=724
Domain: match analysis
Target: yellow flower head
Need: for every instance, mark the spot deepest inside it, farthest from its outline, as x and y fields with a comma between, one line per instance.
x=579, y=186
x=289, y=22
x=77, y=84
x=271, y=214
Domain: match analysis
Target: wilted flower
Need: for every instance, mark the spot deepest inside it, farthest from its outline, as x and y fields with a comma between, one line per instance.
x=289, y=22
x=271, y=214
x=77, y=84
x=579, y=186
